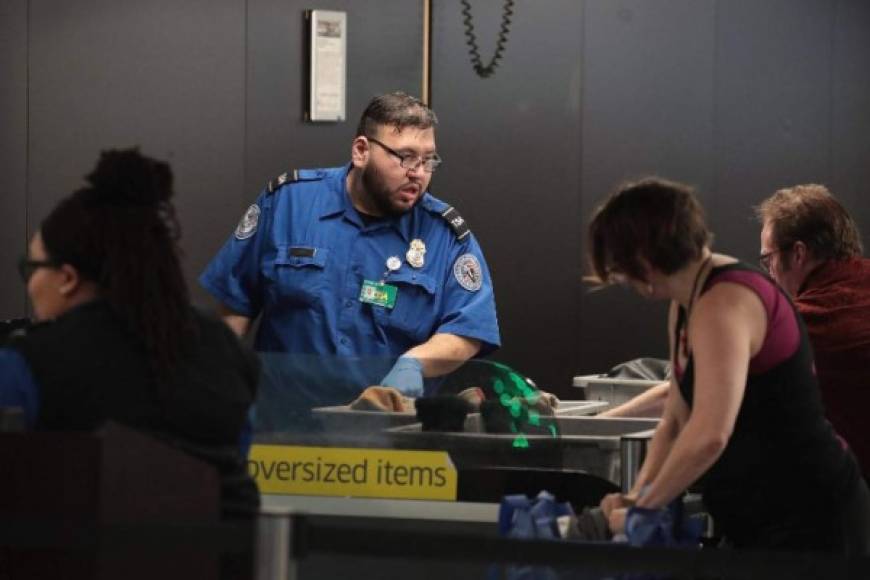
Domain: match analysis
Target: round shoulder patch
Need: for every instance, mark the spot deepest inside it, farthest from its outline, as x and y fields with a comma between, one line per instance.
x=468, y=273
x=248, y=224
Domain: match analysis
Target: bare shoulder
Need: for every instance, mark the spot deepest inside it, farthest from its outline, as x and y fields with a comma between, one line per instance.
x=728, y=299
x=729, y=311
x=723, y=260
x=726, y=294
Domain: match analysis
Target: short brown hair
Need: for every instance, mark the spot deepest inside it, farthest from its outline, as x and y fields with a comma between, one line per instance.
x=810, y=214
x=653, y=219
x=397, y=109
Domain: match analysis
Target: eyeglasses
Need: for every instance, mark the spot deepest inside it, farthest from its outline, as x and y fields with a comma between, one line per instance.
x=411, y=160
x=764, y=260
x=26, y=267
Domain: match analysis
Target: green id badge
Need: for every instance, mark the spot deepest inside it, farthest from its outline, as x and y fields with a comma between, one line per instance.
x=378, y=293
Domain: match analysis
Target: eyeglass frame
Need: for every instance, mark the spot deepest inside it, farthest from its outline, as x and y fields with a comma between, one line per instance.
x=420, y=160
x=27, y=267
x=764, y=259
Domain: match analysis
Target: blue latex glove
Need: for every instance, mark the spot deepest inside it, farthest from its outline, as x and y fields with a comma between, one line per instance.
x=406, y=376
x=662, y=527
x=648, y=527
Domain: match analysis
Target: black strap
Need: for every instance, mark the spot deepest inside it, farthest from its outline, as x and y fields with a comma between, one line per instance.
x=456, y=222
x=283, y=179
x=678, y=328
x=292, y=176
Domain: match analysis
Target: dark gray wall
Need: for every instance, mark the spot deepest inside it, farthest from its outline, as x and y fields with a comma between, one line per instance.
x=850, y=109
x=511, y=145
x=773, y=74
x=384, y=53
x=736, y=97
x=648, y=96
x=110, y=73
x=13, y=152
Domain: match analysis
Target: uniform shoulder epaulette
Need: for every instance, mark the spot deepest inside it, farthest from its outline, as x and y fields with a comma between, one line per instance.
x=293, y=176
x=456, y=222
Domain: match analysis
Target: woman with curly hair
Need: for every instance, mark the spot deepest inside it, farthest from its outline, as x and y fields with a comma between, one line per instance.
x=116, y=338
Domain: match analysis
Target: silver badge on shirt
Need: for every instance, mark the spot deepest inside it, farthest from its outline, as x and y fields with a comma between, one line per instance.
x=416, y=253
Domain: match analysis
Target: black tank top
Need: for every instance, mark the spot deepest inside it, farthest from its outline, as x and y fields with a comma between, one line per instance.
x=783, y=454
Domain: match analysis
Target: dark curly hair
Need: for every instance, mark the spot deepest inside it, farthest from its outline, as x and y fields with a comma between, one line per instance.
x=120, y=232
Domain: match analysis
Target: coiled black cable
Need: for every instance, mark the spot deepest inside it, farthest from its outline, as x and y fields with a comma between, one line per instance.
x=473, y=50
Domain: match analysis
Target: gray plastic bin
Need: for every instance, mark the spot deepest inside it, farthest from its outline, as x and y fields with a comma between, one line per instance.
x=343, y=419
x=585, y=443
x=613, y=391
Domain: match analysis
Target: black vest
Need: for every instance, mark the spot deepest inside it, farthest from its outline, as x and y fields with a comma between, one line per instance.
x=89, y=369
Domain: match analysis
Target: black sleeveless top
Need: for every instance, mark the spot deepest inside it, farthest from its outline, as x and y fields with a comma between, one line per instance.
x=783, y=457
x=89, y=369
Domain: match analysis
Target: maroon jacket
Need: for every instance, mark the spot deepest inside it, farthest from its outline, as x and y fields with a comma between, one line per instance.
x=835, y=304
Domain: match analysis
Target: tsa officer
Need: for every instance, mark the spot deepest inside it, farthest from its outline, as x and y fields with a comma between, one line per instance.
x=360, y=276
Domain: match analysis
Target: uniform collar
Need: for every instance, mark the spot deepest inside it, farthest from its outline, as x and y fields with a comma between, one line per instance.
x=339, y=199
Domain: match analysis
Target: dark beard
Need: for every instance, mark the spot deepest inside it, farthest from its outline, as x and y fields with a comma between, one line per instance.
x=378, y=194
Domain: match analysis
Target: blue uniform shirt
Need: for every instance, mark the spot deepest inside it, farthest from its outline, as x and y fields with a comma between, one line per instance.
x=300, y=257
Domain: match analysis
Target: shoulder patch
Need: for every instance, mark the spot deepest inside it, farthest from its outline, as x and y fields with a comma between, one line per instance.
x=456, y=222
x=467, y=271
x=248, y=224
x=292, y=176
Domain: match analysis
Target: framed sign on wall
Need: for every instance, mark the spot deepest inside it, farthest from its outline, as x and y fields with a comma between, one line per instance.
x=327, y=65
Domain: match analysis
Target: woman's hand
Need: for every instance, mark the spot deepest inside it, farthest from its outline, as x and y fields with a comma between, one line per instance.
x=614, y=501
x=616, y=520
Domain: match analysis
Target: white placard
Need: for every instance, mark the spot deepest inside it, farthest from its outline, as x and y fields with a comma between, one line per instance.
x=328, y=65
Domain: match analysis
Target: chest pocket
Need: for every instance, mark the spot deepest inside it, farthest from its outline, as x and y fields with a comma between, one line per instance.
x=414, y=315
x=300, y=273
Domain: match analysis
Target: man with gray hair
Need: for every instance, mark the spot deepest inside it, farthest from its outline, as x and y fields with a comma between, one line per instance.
x=358, y=271
x=811, y=246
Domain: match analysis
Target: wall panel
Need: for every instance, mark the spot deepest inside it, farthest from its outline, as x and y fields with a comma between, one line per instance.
x=13, y=153
x=384, y=54
x=511, y=145
x=773, y=77
x=648, y=98
x=158, y=74
x=850, y=110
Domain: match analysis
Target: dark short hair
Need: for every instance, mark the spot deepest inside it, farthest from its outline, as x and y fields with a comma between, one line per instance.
x=398, y=110
x=810, y=214
x=653, y=219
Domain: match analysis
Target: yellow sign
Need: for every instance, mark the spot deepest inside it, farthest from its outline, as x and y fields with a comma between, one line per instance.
x=282, y=469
